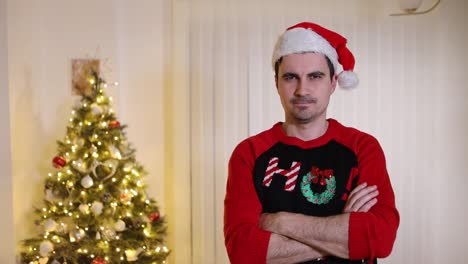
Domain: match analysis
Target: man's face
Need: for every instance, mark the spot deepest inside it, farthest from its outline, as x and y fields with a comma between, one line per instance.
x=304, y=87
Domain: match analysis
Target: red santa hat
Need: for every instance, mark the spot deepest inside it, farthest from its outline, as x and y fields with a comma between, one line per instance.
x=310, y=37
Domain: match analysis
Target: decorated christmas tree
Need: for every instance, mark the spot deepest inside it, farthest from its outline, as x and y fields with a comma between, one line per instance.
x=96, y=210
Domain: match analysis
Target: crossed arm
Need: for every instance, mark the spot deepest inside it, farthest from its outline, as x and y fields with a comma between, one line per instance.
x=297, y=237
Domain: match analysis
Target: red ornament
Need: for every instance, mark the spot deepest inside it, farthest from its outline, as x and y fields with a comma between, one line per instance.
x=99, y=261
x=114, y=124
x=154, y=216
x=58, y=162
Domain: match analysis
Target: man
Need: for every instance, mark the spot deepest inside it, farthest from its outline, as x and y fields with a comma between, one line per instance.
x=309, y=189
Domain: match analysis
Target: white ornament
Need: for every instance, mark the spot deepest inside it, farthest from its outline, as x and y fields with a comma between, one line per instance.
x=84, y=208
x=45, y=248
x=115, y=152
x=119, y=226
x=43, y=260
x=96, y=109
x=132, y=255
x=87, y=181
x=96, y=207
x=98, y=236
x=50, y=225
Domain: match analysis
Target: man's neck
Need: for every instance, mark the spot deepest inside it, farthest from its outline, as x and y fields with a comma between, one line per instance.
x=307, y=131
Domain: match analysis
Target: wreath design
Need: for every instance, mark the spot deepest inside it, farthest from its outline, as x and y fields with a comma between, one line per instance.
x=322, y=177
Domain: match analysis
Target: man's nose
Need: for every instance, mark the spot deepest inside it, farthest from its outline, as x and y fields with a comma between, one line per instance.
x=301, y=88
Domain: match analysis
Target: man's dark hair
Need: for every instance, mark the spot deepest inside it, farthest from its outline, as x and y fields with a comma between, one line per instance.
x=330, y=66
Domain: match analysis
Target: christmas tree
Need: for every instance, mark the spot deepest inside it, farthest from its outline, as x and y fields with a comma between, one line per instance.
x=96, y=210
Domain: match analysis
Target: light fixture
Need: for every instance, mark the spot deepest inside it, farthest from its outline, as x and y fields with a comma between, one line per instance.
x=410, y=7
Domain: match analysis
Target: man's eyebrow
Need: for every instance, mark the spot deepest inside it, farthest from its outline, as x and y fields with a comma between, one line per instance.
x=316, y=73
x=290, y=74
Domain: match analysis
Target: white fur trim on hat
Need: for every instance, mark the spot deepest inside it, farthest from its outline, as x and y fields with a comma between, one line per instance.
x=300, y=40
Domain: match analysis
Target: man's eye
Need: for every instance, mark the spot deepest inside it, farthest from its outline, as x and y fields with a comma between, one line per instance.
x=289, y=77
x=315, y=76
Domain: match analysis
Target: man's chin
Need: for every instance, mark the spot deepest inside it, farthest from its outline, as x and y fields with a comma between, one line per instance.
x=303, y=119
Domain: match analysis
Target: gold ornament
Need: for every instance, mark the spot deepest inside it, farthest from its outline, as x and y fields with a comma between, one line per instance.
x=132, y=255
x=109, y=234
x=119, y=226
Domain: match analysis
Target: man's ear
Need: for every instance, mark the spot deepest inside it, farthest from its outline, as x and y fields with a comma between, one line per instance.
x=334, y=83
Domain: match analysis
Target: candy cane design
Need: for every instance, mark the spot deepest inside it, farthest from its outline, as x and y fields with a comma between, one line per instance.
x=290, y=174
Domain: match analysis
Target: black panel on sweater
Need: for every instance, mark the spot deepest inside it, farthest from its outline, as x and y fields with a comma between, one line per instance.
x=329, y=156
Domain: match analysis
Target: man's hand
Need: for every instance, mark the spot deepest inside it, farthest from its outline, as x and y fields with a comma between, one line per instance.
x=361, y=199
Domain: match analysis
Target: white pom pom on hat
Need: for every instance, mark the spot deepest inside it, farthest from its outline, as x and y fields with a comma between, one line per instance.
x=310, y=37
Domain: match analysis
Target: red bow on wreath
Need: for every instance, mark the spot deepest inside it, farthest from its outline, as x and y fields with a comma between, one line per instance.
x=320, y=175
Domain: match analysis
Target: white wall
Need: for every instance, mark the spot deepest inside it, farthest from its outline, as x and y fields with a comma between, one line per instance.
x=195, y=79
x=7, y=243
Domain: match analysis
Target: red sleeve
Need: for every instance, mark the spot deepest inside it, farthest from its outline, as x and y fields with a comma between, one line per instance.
x=245, y=242
x=372, y=234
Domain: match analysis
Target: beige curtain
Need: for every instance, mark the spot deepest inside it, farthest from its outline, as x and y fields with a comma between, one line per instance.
x=411, y=98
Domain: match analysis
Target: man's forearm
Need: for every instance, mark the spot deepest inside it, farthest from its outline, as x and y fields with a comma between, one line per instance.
x=285, y=250
x=327, y=234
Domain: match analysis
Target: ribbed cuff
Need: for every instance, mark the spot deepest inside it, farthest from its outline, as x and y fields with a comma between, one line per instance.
x=358, y=244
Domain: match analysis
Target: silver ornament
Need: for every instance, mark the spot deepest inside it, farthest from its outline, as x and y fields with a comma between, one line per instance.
x=96, y=207
x=76, y=235
x=96, y=109
x=45, y=247
x=50, y=225
x=84, y=208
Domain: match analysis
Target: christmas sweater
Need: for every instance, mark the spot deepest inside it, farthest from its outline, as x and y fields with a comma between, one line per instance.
x=272, y=172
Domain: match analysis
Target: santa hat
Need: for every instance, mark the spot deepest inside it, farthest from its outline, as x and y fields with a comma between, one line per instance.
x=310, y=37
